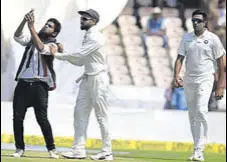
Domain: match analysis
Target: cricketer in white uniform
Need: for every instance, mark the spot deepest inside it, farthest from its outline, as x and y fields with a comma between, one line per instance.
x=204, y=56
x=93, y=89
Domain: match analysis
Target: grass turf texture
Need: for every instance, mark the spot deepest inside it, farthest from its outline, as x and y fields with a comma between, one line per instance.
x=134, y=156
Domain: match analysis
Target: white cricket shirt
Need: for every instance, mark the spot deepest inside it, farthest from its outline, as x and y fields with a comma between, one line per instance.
x=201, y=53
x=90, y=54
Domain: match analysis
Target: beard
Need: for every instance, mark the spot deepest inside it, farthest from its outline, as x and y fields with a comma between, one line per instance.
x=84, y=27
x=198, y=28
x=43, y=34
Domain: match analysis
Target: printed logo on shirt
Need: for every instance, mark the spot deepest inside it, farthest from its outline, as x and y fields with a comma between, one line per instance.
x=206, y=41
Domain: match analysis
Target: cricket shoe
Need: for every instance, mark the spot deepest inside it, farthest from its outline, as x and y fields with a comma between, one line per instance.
x=18, y=153
x=53, y=154
x=74, y=155
x=198, y=156
x=105, y=156
x=190, y=158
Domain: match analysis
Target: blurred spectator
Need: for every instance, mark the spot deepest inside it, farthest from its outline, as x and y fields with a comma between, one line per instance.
x=220, y=28
x=136, y=7
x=156, y=25
x=137, y=4
x=175, y=99
x=222, y=12
x=217, y=19
x=181, y=9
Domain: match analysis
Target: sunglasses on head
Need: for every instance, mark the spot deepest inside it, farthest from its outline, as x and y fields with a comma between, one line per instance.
x=194, y=20
x=85, y=18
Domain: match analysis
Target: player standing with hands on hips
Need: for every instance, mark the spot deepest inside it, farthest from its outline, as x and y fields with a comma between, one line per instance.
x=204, y=55
x=35, y=77
x=93, y=88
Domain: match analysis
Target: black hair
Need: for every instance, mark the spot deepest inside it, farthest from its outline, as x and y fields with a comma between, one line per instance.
x=57, y=25
x=200, y=12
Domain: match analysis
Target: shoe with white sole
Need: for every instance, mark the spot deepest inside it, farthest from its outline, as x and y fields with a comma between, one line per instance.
x=190, y=158
x=198, y=156
x=105, y=156
x=53, y=154
x=18, y=153
x=74, y=155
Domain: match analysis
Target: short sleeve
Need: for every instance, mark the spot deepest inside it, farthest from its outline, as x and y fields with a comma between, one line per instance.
x=181, y=49
x=218, y=49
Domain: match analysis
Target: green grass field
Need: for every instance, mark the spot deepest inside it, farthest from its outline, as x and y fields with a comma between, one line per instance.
x=133, y=156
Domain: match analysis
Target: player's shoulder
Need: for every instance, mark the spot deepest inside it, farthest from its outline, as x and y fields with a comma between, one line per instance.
x=52, y=44
x=97, y=36
x=211, y=35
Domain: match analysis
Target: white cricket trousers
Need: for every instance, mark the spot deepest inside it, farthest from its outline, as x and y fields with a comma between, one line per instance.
x=197, y=93
x=92, y=94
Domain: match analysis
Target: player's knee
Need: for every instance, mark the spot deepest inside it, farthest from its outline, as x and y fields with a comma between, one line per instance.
x=201, y=116
x=101, y=120
x=42, y=120
x=18, y=117
x=99, y=100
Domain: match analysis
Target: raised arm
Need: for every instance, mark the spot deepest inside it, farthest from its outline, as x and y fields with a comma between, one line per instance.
x=20, y=28
x=38, y=43
x=18, y=35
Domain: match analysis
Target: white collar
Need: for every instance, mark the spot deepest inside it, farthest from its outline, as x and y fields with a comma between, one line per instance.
x=92, y=29
x=204, y=33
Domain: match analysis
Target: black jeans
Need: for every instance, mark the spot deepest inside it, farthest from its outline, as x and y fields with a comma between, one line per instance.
x=31, y=94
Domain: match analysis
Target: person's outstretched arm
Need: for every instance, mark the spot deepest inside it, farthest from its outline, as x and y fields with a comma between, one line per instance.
x=74, y=58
